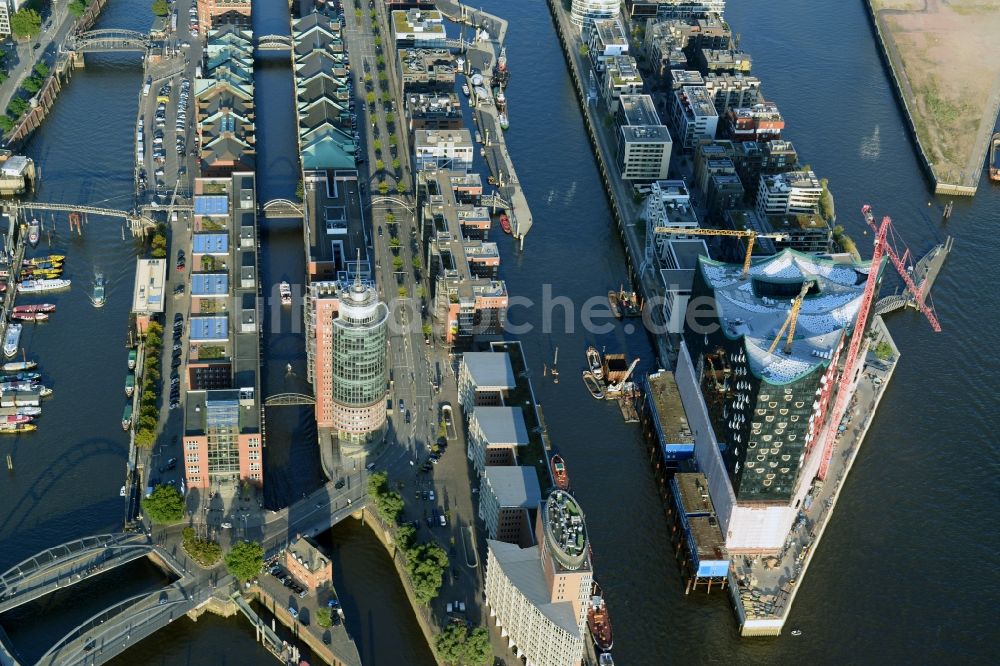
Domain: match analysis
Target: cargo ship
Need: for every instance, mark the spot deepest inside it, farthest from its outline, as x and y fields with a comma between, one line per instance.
x=995, y=157
x=559, y=474
x=598, y=620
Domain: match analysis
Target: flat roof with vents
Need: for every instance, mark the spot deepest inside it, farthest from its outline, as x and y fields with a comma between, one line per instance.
x=211, y=204
x=209, y=328
x=210, y=243
x=150, y=278
x=210, y=284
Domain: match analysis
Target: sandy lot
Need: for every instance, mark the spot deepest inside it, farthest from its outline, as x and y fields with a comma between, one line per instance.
x=950, y=56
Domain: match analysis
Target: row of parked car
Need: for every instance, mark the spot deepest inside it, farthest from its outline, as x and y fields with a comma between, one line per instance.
x=287, y=580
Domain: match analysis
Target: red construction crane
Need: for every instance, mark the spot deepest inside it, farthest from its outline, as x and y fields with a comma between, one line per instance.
x=828, y=434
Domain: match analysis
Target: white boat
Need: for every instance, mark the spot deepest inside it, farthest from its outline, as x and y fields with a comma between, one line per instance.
x=465, y=89
x=37, y=286
x=34, y=232
x=18, y=366
x=504, y=122
x=121, y=493
x=285, y=290
x=99, y=296
x=12, y=340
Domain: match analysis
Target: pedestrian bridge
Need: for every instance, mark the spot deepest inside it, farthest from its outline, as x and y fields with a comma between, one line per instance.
x=138, y=221
x=274, y=43
x=68, y=564
x=108, y=40
x=282, y=208
x=286, y=399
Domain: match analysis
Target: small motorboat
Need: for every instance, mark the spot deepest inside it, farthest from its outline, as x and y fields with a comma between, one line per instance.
x=18, y=366
x=594, y=362
x=121, y=493
x=34, y=232
x=593, y=385
x=505, y=223
x=285, y=290
x=17, y=427
x=796, y=632
x=99, y=296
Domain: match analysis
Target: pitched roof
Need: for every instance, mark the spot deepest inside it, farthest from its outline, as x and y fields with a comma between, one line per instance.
x=326, y=152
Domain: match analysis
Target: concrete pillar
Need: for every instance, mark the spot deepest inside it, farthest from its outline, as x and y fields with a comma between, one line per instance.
x=78, y=61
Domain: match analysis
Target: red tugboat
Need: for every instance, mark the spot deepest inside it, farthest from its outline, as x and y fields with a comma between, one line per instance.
x=505, y=223
x=598, y=620
x=559, y=472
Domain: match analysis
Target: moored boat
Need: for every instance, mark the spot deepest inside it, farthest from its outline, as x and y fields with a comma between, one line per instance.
x=995, y=157
x=624, y=304
x=49, y=258
x=505, y=223
x=34, y=232
x=12, y=340
x=15, y=418
x=285, y=290
x=98, y=296
x=594, y=362
x=465, y=89
x=127, y=416
x=17, y=427
x=504, y=121
x=29, y=316
x=605, y=659
x=129, y=384
x=132, y=356
x=7, y=387
x=23, y=377
x=18, y=366
x=593, y=385
x=35, y=307
x=598, y=620
x=37, y=286
x=559, y=474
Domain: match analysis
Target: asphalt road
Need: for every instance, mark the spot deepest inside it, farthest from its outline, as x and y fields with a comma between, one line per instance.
x=24, y=55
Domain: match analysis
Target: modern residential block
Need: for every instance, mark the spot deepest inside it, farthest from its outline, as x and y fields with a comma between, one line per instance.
x=494, y=436
x=507, y=495
x=644, y=142
x=693, y=116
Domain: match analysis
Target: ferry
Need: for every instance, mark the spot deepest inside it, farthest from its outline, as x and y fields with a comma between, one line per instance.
x=37, y=307
x=129, y=384
x=285, y=290
x=99, y=293
x=593, y=385
x=12, y=340
x=595, y=362
x=559, y=474
x=995, y=157
x=18, y=366
x=38, y=286
x=17, y=427
x=505, y=223
x=34, y=232
x=29, y=316
x=598, y=620
x=132, y=356
x=127, y=416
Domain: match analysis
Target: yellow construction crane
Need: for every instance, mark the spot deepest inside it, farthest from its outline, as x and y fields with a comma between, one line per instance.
x=749, y=235
x=790, y=320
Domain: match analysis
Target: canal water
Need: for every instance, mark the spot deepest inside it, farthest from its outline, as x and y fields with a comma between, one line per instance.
x=913, y=530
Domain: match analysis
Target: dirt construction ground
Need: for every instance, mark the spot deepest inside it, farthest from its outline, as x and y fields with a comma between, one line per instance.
x=950, y=57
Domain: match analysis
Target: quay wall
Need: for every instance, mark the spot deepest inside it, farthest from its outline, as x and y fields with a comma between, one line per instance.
x=900, y=87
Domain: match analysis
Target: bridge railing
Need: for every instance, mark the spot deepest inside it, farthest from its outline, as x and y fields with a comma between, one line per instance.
x=50, y=557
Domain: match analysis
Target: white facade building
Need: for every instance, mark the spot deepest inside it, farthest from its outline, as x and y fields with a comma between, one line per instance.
x=693, y=116
x=794, y=192
x=443, y=149
x=644, y=142
x=584, y=12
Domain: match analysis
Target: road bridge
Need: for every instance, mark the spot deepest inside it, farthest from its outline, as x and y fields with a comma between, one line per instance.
x=68, y=564
x=107, y=40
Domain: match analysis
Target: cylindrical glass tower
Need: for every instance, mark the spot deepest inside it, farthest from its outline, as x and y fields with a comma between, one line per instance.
x=584, y=12
x=360, y=373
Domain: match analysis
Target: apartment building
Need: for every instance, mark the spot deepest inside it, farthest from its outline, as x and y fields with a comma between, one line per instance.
x=495, y=435
x=678, y=261
x=213, y=13
x=644, y=143
x=426, y=70
x=419, y=28
x=538, y=596
x=222, y=434
x=731, y=91
x=721, y=61
x=693, y=116
x=789, y=204
x=4, y=19
x=443, y=149
x=605, y=38
x=307, y=564
x=484, y=379
x=432, y=111
x=753, y=159
x=667, y=205
x=621, y=77
x=508, y=494
x=761, y=122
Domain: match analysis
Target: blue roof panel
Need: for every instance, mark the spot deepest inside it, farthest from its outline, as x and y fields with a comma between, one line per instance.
x=210, y=243
x=209, y=284
x=213, y=204
x=209, y=328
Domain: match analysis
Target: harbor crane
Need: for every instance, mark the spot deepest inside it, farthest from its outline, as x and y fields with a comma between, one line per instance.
x=828, y=432
x=619, y=386
x=790, y=321
x=749, y=235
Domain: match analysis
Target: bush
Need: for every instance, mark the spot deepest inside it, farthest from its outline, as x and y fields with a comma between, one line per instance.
x=78, y=7
x=31, y=85
x=41, y=69
x=164, y=505
x=16, y=107
x=323, y=617
x=160, y=7
x=6, y=124
x=203, y=551
x=883, y=351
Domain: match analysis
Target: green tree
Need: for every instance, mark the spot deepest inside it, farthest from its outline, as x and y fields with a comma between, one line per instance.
x=373, y=13
x=78, y=7
x=393, y=140
x=357, y=13
x=403, y=292
x=144, y=439
x=164, y=505
x=323, y=617
x=396, y=164
x=379, y=165
x=26, y=23
x=417, y=264
x=388, y=503
x=160, y=7
x=31, y=85
x=390, y=218
x=383, y=187
x=478, y=650
x=427, y=331
x=386, y=98
x=6, y=124
x=401, y=187
x=380, y=61
x=825, y=200
x=883, y=351
x=394, y=243
x=41, y=69
x=205, y=552
x=377, y=146
x=377, y=40
x=584, y=50
x=383, y=76
x=456, y=646
x=300, y=190
x=16, y=107
x=370, y=97
x=421, y=292
x=244, y=560
x=390, y=118
x=397, y=263
x=426, y=564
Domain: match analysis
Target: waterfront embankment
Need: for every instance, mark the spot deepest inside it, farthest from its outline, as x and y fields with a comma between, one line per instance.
x=945, y=80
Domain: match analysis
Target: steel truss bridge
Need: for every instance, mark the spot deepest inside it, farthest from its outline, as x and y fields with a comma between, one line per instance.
x=276, y=208
x=108, y=40
x=138, y=221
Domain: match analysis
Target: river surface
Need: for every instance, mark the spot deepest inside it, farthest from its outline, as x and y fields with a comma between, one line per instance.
x=906, y=569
